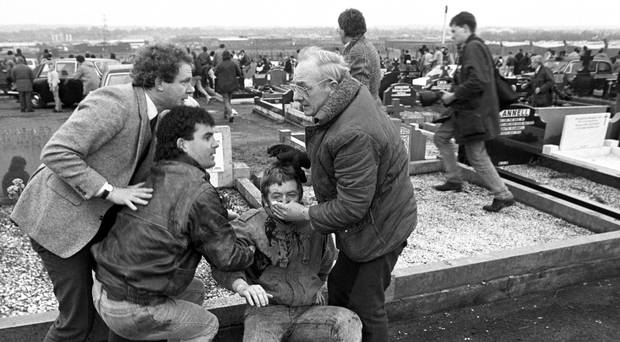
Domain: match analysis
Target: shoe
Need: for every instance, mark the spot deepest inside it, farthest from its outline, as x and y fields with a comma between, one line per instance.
x=231, y=119
x=57, y=111
x=449, y=186
x=30, y=111
x=499, y=204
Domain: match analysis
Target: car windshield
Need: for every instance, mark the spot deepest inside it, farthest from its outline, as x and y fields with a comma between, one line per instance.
x=65, y=68
x=115, y=79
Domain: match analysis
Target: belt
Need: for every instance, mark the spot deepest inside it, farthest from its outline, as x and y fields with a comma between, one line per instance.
x=130, y=294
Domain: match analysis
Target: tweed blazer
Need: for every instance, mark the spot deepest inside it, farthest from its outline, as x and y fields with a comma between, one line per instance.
x=101, y=141
x=364, y=63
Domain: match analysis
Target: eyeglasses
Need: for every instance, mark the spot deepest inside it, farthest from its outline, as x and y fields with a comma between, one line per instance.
x=305, y=90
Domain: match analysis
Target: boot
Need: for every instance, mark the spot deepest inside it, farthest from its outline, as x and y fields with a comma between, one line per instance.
x=499, y=204
x=449, y=186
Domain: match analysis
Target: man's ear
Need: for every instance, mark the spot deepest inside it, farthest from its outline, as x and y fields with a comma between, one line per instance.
x=159, y=84
x=182, y=145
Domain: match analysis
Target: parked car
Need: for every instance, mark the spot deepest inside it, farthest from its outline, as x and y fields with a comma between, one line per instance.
x=599, y=68
x=439, y=78
x=116, y=74
x=602, y=82
x=70, y=89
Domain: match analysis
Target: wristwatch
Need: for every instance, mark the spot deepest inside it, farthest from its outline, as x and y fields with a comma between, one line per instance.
x=107, y=189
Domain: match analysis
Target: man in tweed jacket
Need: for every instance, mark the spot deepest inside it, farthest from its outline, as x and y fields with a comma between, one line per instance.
x=359, y=53
x=88, y=166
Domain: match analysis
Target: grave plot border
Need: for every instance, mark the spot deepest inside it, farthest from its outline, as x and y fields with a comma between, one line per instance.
x=281, y=113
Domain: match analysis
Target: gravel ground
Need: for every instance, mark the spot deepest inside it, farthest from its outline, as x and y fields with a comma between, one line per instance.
x=453, y=225
x=576, y=185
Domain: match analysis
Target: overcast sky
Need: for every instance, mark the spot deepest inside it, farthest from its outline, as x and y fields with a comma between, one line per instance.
x=261, y=13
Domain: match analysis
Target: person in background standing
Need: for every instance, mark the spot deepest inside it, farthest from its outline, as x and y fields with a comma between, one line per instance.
x=227, y=74
x=541, y=92
x=87, y=74
x=22, y=77
x=359, y=53
x=53, y=80
x=218, y=54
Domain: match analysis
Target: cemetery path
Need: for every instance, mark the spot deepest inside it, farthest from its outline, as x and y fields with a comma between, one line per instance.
x=252, y=134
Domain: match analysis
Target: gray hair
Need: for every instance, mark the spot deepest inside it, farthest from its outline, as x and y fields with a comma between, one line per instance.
x=320, y=64
x=537, y=59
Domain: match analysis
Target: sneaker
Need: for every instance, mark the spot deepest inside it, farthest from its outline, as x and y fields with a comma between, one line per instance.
x=449, y=186
x=499, y=204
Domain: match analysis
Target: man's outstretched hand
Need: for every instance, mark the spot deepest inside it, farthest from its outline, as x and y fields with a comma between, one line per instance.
x=131, y=196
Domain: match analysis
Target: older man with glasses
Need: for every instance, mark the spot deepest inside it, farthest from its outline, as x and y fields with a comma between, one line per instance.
x=361, y=181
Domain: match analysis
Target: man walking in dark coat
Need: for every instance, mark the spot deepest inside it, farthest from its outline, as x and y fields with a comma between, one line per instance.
x=474, y=115
x=22, y=76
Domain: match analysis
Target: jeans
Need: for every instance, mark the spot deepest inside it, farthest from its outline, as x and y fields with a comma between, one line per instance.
x=24, y=101
x=477, y=156
x=72, y=281
x=360, y=287
x=275, y=323
x=57, y=104
x=227, y=104
x=181, y=317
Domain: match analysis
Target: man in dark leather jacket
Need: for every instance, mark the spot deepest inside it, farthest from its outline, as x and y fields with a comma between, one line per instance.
x=145, y=286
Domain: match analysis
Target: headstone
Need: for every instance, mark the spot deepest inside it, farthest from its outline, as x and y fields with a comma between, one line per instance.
x=395, y=108
x=513, y=120
x=412, y=117
x=277, y=77
x=519, y=123
x=222, y=173
x=583, y=131
x=25, y=140
x=402, y=91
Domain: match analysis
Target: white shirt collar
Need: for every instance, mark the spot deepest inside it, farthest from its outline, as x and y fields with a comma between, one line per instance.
x=151, y=110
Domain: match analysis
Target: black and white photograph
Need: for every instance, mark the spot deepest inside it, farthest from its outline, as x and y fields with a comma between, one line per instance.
x=329, y=171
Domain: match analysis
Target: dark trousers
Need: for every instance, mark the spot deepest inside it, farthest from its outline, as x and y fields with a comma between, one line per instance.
x=24, y=101
x=360, y=287
x=73, y=282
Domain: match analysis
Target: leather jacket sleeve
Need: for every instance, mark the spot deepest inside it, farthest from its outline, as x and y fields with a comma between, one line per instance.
x=355, y=168
x=214, y=238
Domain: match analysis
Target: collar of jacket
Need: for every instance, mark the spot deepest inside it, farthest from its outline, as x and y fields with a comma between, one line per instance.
x=473, y=37
x=188, y=164
x=338, y=100
x=348, y=46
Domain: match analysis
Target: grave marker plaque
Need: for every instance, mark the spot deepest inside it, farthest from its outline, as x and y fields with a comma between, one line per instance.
x=583, y=131
x=221, y=175
x=402, y=91
x=513, y=120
